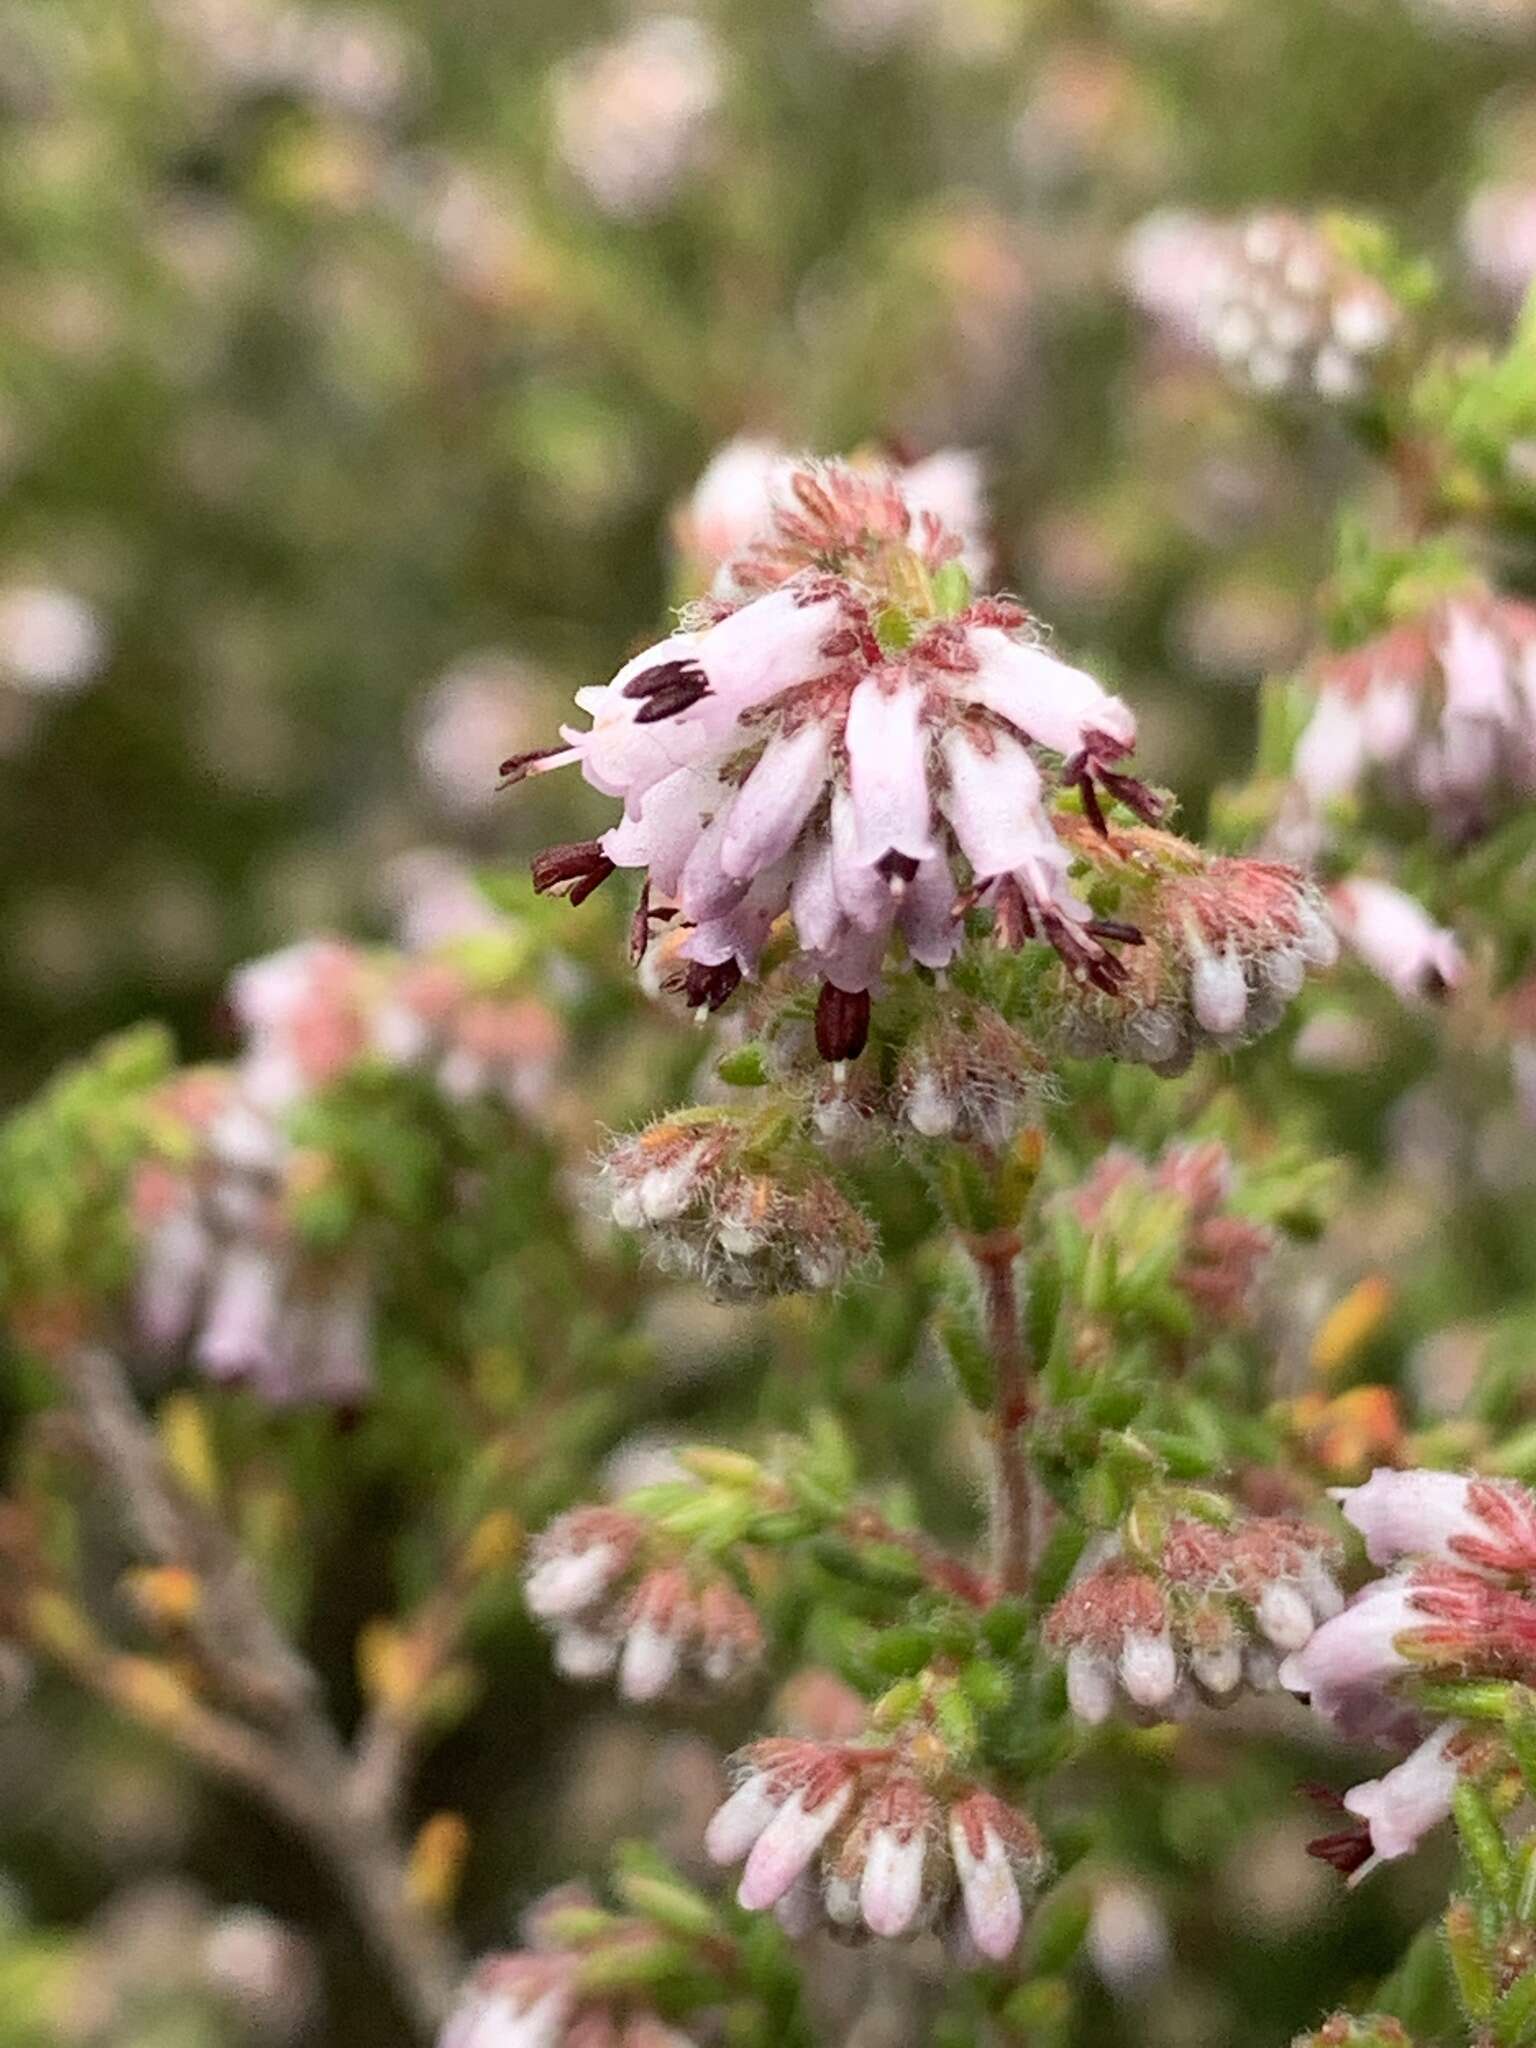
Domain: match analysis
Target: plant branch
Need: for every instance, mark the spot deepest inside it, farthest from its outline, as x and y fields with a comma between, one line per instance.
x=294, y=1763
x=945, y=1573
x=387, y=1742
x=1013, y=1401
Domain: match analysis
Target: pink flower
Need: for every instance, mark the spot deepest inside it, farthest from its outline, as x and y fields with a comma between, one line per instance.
x=735, y=501
x=659, y=1626
x=783, y=759
x=1396, y=938
x=1488, y=1524
x=578, y=1560
x=1352, y=1660
x=1211, y=1607
x=998, y=1862
x=809, y=1790
x=1402, y=1806
x=1442, y=708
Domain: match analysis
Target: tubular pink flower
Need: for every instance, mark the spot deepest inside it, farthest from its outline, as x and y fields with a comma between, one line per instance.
x=1356, y=1653
x=785, y=1847
x=891, y=1888
x=1396, y=938
x=989, y=1884
x=1404, y=1804
x=736, y=1825
x=1488, y=1524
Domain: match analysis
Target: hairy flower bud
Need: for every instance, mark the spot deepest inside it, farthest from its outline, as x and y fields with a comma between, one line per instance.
x=747, y=1218
x=968, y=1074
x=1222, y=945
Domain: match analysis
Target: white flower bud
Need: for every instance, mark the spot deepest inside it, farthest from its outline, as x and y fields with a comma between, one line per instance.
x=930, y=1112
x=1219, y=992
x=1285, y=1617
x=1090, y=1685
x=1149, y=1670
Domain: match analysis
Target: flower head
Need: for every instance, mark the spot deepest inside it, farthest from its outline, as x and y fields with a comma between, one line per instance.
x=872, y=1841
x=1217, y=946
x=1275, y=298
x=1205, y=1605
x=856, y=745
x=745, y=1209
x=662, y=1624
x=1439, y=711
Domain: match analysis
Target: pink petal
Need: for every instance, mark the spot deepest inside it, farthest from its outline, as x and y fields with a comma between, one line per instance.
x=989, y=1892
x=773, y=804
x=737, y=1824
x=1055, y=705
x=891, y=1888
x=786, y=1846
x=887, y=769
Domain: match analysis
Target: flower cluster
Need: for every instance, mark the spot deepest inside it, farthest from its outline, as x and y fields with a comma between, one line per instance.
x=1274, y=298
x=839, y=749
x=1440, y=708
x=1201, y=1609
x=591, y=1578
x=741, y=1206
x=222, y=1266
x=1221, y=946
x=633, y=118
x=1220, y=1252
x=1462, y=1551
x=537, y=1998
x=747, y=484
x=876, y=1840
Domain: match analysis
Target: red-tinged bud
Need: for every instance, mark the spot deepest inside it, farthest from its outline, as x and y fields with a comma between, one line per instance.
x=878, y=1841
x=671, y=1627
x=1212, y=1603
x=578, y=1560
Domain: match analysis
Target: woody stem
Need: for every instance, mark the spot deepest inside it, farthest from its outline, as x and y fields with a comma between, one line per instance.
x=1013, y=1399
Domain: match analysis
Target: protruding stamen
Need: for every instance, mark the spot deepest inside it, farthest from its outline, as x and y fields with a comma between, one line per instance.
x=573, y=871
x=705, y=989
x=897, y=871
x=667, y=689
x=842, y=1023
x=537, y=761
